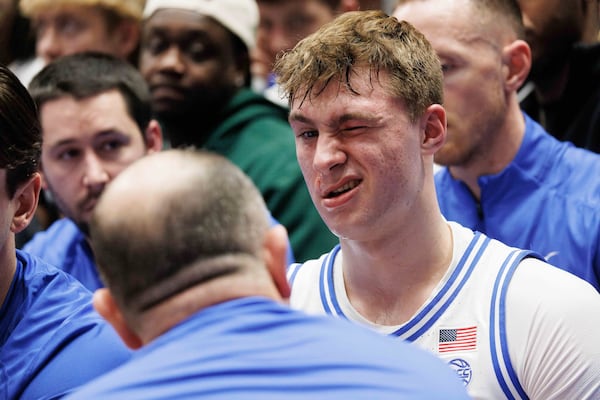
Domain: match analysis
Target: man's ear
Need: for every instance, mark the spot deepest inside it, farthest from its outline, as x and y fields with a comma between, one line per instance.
x=275, y=250
x=516, y=58
x=153, y=137
x=105, y=305
x=26, y=200
x=433, y=126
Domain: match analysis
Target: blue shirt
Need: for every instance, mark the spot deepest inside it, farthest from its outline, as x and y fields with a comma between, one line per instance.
x=66, y=247
x=254, y=348
x=547, y=200
x=51, y=339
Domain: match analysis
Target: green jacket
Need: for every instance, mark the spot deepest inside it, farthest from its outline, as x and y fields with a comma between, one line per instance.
x=255, y=135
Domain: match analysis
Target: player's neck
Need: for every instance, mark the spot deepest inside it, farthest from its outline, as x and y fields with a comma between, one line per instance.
x=389, y=283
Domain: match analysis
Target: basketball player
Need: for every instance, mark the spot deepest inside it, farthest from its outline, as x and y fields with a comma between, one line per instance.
x=365, y=94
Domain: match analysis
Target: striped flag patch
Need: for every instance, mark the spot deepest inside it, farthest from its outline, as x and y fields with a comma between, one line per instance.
x=457, y=339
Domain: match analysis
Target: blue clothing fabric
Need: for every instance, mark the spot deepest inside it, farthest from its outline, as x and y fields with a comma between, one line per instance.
x=546, y=200
x=254, y=348
x=51, y=339
x=65, y=246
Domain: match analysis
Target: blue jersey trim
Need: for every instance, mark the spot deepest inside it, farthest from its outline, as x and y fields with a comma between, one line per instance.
x=332, y=295
x=457, y=289
x=498, y=328
x=329, y=260
x=331, y=306
x=502, y=324
x=292, y=272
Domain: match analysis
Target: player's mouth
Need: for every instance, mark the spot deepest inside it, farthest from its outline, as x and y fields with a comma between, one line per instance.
x=342, y=189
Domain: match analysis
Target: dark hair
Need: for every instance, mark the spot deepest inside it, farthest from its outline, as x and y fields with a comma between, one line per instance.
x=20, y=134
x=88, y=74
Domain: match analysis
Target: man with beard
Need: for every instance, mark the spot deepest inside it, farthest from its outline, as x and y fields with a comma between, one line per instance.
x=96, y=120
x=505, y=175
x=563, y=92
x=195, y=56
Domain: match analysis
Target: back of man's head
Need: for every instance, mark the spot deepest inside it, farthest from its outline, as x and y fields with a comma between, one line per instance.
x=85, y=75
x=491, y=12
x=174, y=220
x=20, y=134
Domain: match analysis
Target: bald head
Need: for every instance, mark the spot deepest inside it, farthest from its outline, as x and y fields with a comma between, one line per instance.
x=173, y=220
x=498, y=17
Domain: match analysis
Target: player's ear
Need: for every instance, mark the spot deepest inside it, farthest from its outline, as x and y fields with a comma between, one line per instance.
x=433, y=128
x=275, y=249
x=105, y=305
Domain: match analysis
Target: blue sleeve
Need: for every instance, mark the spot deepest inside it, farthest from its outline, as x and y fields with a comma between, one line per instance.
x=86, y=357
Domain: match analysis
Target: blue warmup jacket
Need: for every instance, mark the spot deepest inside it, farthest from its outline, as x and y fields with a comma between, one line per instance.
x=51, y=339
x=546, y=200
x=253, y=348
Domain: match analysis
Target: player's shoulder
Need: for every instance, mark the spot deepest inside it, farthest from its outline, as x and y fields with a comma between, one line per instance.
x=536, y=282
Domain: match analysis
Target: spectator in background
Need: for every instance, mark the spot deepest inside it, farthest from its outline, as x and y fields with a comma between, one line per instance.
x=195, y=57
x=96, y=120
x=505, y=175
x=65, y=27
x=563, y=88
x=365, y=93
x=282, y=24
x=207, y=316
x=51, y=339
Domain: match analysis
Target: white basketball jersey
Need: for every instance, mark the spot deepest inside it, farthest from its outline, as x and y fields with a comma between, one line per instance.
x=465, y=319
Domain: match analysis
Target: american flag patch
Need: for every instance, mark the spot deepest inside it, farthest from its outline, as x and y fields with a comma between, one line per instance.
x=458, y=339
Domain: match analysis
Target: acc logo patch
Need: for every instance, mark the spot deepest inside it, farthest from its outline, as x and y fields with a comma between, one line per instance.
x=462, y=369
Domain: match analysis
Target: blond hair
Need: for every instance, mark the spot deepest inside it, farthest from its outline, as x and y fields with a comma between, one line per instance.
x=124, y=8
x=370, y=39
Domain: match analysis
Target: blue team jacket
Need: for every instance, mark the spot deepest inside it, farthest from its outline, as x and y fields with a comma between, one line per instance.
x=253, y=348
x=51, y=339
x=546, y=200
